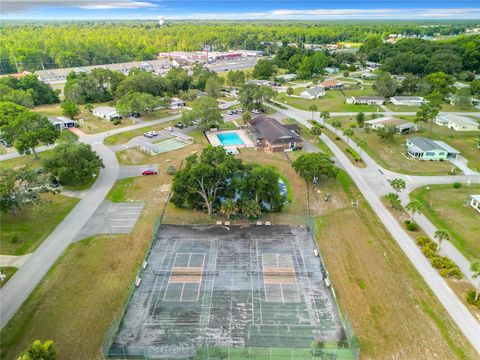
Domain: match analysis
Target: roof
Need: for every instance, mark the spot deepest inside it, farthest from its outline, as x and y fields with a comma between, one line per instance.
x=330, y=83
x=104, y=110
x=380, y=98
x=408, y=98
x=315, y=91
x=271, y=130
x=386, y=120
x=456, y=119
x=406, y=126
x=424, y=144
x=60, y=119
x=475, y=197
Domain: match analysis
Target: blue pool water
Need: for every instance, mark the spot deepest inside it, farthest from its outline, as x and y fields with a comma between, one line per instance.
x=228, y=139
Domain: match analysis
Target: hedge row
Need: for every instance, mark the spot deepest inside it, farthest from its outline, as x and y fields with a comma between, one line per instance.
x=444, y=265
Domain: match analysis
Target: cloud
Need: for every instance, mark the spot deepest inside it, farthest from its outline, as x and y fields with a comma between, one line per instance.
x=325, y=14
x=21, y=6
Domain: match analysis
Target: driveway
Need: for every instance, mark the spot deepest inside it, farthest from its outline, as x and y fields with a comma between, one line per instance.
x=134, y=170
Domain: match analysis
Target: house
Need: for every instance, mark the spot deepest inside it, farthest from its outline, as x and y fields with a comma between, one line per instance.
x=332, y=84
x=260, y=82
x=457, y=122
x=426, y=149
x=368, y=75
x=287, y=77
x=269, y=135
x=331, y=70
x=408, y=100
x=366, y=100
x=106, y=112
x=402, y=126
x=62, y=122
x=313, y=93
x=475, y=202
x=176, y=103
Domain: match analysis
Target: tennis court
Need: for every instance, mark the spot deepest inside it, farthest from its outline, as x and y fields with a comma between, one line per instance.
x=237, y=287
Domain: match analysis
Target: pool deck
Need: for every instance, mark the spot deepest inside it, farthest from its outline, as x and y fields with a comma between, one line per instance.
x=215, y=141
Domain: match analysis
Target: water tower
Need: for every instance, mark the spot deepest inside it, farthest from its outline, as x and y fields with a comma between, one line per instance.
x=161, y=20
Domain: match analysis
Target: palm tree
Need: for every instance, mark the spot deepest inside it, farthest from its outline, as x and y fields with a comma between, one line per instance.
x=37, y=350
x=313, y=108
x=398, y=184
x=316, y=131
x=289, y=91
x=475, y=268
x=441, y=235
x=228, y=207
x=348, y=132
x=414, y=207
x=394, y=200
x=361, y=144
x=336, y=124
x=252, y=209
x=325, y=115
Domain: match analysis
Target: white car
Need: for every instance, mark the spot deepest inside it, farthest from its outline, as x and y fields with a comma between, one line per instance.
x=255, y=111
x=169, y=128
x=150, y=134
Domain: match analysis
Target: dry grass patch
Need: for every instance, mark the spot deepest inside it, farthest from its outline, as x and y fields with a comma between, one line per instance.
x=392, y=310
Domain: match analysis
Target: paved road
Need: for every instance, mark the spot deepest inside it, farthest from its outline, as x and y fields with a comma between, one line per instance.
x=19, y=287
x=459, y=313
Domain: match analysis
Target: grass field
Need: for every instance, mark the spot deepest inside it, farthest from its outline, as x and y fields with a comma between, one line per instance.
x=446, y=208
x=24, y=232
x=124, y=137
x=87, y=287
x=333, y=101
x=8, y=272
x=392, y=310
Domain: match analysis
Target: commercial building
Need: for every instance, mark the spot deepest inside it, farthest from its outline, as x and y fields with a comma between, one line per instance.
x=269, y=135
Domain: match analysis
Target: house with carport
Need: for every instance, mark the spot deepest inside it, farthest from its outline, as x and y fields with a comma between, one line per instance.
x=426, y=149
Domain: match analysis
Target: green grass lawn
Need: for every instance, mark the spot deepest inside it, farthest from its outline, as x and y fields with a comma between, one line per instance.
x=118, y=193
x=24, y=232
x=446, y=208
x=8, y=271
x=333, y=101
x=402, y=108
x=125, y=137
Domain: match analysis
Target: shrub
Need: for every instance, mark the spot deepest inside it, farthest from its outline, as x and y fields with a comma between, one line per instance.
x=171, y=170
x=423, y=240
x=442, y=262
x=452, y=272
x=355, y=155
x=471, y=299
x=412, y=226
x=337, y=138
x=428, y=252
x=117, y=121
x=457, y=185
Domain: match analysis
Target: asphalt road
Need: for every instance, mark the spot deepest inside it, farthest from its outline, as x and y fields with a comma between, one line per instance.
x=464, y=319
x=19, y=287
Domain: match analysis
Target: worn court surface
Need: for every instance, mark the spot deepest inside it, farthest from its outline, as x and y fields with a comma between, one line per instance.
x=112, y=218
x=258, y=286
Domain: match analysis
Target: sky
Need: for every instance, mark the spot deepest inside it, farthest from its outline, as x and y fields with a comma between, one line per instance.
x=239, y=10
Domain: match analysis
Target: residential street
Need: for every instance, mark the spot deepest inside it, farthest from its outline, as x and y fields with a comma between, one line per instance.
x=372, y=187
x=22, y=283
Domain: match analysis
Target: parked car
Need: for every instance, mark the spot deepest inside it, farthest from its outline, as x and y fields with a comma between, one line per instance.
x=169, y=128
x=180, y=125
x=255, y=111
x=240, y=110
x=54, y=182
x=230, y=112
x=149, y=172
x=150, y=134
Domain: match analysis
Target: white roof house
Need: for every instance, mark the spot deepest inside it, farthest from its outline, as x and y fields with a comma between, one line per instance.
x=313, y=93
x=61, y=122
x=287, y=77
x=402, y=126
x=176, y=103
x=427, y=149
x=106, y=112
x=366, y=100
x=475, y=202
x=457, y=122
x=407, y=100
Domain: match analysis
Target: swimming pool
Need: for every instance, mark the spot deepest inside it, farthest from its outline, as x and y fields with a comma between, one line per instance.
x=229, y=139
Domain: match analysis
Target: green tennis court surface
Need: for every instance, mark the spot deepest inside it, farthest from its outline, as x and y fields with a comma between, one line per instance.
x=212, y=292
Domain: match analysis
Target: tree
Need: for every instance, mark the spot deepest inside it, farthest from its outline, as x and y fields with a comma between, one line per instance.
x=39, y=351
x=462, y=98
x=19, y=188
x=246, y=116
x=348, y=132
x=289, y=91
x=70, y=109
x=25, y=129
x=428, y=111
x=251, y=209
x=398, y=184
x=385, y=84
x=20, y=97
x=325, y=115
x=264, y=69
x=228, y=207
x=475, y=269
x=414, y=207
x=316, y=130
x=73, y=163
x=386, y=133
x=441, y=235
x=138, y=103
x=88, y=107
x=439, y=82
x=313, y=108
x=360, y=117
x=252, y=96
x=336, y=124
x=361, y=144
x=235, y=78
x=40, y=92
x=206, y=111
x=313, y=165
x=475, y=87
x=394, y=200
x=213, y=87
